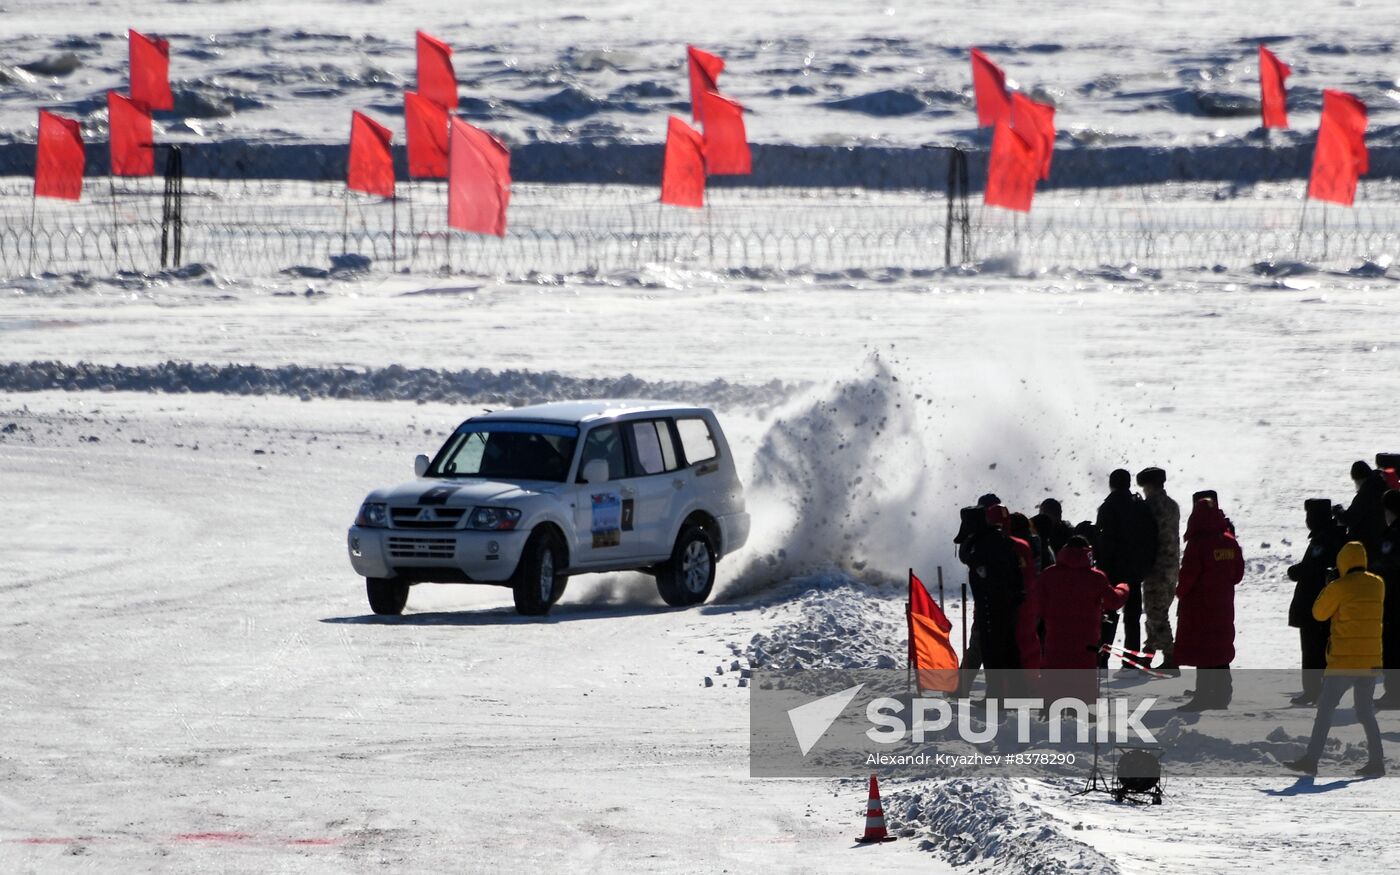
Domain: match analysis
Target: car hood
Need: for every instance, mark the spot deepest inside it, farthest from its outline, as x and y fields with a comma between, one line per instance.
x=460, y=492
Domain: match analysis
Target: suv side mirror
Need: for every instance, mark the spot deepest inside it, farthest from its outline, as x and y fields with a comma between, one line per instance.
x=596, y=471
x=420, y=465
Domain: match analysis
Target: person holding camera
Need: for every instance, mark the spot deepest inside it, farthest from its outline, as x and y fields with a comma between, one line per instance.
x=1125, y=551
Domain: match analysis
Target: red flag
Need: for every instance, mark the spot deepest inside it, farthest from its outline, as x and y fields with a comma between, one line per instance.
x=704, y=76
x=683, y=167
x=150, y=71
x=1011, y=170
x=1341, y=155
x=1273, y=101
x=130, y=138
x=425, y=123
x=1037, y=122
x=989, y=86
x=436, y=79
x=930, y=650
x=59, y=162
x=478, y=186
x=726, y=145
x=370, y=168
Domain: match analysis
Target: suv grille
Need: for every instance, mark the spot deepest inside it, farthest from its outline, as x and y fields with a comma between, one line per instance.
x=431, y=517
x=421, y=548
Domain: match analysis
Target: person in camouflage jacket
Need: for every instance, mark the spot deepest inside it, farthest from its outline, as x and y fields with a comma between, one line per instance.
x=1159, y=586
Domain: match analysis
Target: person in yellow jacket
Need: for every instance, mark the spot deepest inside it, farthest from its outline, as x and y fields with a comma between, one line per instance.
x=1355, y=604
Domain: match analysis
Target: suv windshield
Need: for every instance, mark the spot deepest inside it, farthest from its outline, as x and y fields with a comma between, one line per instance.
x=507, y=451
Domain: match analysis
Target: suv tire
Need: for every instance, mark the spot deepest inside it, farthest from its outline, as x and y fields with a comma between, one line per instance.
x=689, y=575
x=386, y=596
x=537, y=583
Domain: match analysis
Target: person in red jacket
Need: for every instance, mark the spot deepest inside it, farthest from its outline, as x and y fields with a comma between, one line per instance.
x=1071, y=598
x=1205, y=614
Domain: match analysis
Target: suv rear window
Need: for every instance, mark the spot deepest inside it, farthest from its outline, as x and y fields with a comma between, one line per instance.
x=656, y=452
x=696, y=440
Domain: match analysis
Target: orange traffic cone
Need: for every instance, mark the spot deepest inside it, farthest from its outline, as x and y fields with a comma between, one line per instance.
x=874, y=817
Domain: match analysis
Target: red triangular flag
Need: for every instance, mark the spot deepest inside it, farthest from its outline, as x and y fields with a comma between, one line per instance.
x=425, y=123
x=1273, y=102
x=150, y=71
x=726, y=144
x=436, y=79
x=478, y=186
x=131, y=140
x=683, y=166
x=59, y=158
x=370, y=168
x=1012, y=169
x=930, y=650
x=704, y=76
x=989, y=87
x=1037, y=122
x=1340, y=157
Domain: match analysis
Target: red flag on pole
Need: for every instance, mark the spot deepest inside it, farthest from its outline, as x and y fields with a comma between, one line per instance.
x=989, y=87
x=1340, y=157
x=425, y=123
x=1273, y=102
x=150, y=71
x=683, y=167
x=1037, y=122
x=704, y=76
x=59, y=161
x=930, y=649
x=726, y=144
x=436, y=79
x=370, y=168
x=478, y=184
x=1011, y=170
x=130, y=138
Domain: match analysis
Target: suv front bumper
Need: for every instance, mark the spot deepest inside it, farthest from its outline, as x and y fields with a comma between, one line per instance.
x=413, y=554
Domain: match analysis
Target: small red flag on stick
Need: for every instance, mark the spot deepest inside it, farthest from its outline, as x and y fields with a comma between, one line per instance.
x=683, y=167
x=130, y=137
x=1340, y=157
x=704, y=76
x=989, y=87
x=425, y=123
x=1011, y=170
x=930, y=649
x=436, y=79
x=59, y=160
x=478, y=186
x=150, y=71
x=370, y=168
x=726, y=144
x=1273, y=102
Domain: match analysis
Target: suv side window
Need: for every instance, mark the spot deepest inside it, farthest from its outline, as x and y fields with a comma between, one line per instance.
x=696, y=441
x=605, y=442
x=655, y=448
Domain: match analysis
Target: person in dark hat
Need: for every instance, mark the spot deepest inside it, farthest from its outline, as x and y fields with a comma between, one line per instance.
x=998, y=588
x=1365, y=517
x=988, y=500
x=1387, y=564
x=973, y=521
x=1310, y=575
x=1050, y=524
x=1159, y=584
x=1125, y=550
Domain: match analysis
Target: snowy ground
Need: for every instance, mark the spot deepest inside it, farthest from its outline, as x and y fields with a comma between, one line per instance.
x=197, y=685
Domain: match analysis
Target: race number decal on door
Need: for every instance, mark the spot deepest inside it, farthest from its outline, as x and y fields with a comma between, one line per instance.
x=607, y=519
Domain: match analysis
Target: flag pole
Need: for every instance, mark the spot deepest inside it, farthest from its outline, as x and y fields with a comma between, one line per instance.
x=909, y=630
x=112, y=191
x=1302, y=219
x=964, y=620
x=394, y=231
x=33, y=231
x=345, y=225
x=940, y=587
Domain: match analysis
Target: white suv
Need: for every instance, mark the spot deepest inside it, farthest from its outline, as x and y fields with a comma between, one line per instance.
x=524, y=498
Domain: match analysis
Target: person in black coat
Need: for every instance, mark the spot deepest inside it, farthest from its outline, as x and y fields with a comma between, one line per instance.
x=1310, y=575
x=1125, y=549
x=1051, y=526
x=997, y=588
x=1365, y=517
x=1387, y=564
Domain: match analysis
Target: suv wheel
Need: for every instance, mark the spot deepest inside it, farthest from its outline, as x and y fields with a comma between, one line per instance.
x=689, y=575
x=386, y=596
x=538, y=582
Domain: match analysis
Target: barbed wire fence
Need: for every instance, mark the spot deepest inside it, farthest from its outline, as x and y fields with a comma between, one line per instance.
x=259, y=226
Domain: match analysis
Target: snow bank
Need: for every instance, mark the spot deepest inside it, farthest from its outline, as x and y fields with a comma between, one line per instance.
x=392, y=383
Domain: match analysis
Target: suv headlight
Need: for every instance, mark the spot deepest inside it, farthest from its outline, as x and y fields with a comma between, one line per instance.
x=494, y=519
x=373, y=515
